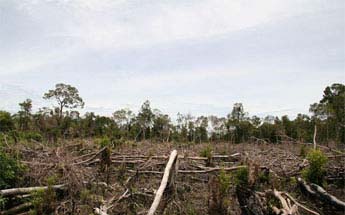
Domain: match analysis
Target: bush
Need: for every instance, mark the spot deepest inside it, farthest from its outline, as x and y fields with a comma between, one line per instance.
x=103, y=142
x=207, y=152
x=44, y=201
x=31, y=135
x=224, y=180
x=303, y=151
x=316, y=171
x=241, y=177
x=10, y=171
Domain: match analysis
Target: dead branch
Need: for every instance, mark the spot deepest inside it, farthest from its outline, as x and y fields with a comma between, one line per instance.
x=300, y=205
x=287, y=209
x=90, y=159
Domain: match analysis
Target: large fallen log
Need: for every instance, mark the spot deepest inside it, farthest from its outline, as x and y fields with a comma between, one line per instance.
x=234, y=156
x=318, y=192
x=25, y=190
x=167, y=180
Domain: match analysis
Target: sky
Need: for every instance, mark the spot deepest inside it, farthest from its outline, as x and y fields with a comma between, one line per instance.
x=187, y=56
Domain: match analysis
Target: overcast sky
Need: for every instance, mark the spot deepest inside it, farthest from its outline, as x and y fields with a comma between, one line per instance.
x=197, y=56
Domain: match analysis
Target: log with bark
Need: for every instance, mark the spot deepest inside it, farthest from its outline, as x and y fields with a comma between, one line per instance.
x=321, y=194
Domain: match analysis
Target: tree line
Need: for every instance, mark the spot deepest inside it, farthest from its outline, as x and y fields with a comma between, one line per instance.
x=63, y=121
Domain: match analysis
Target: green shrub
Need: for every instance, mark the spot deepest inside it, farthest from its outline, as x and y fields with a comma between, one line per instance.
x=32, y=135
x=10, y=171
x=103, y=142
x=316, y=171
x=206, y=152
x=303, y=151
x=44, y=201
x=224, y=180
x=241, y=177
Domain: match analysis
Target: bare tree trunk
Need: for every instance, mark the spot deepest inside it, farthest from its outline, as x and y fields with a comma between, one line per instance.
x=314, y=139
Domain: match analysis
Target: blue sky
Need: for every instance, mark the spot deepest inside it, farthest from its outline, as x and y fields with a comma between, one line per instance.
x=197, y=56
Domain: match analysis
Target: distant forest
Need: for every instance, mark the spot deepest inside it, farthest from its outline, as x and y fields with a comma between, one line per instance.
x=327, y=120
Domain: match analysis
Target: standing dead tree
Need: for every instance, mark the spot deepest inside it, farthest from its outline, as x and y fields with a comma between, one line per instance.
x=167, y=181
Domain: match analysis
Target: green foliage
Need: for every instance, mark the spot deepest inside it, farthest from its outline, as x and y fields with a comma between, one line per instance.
x=66, y=96
x=11, y=171
x=206, y=152
x=316, y=171
x=85, y=196
x=224, y=180
x=103, y=142
x=241, y=177
x=6, y=122
x=31, y=135
x=3, y=202
x=44, y=201
x=263, y=177
x=303, y=151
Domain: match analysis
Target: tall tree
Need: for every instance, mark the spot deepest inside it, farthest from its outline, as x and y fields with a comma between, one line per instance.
x=145, y=117
x=332, y=108
x=25, y=114
x=66, y=96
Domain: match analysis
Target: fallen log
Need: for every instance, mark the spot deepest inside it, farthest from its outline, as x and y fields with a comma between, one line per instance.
x=321, y=194
x=220, y=157
x=17, y=209
x=168, y=174
x=25, y=190
x=208, y=170
x=334, y=201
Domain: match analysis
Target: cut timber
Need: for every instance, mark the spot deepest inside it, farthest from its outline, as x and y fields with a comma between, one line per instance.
x=318, y=192
x=24, y=190
x=168, y=173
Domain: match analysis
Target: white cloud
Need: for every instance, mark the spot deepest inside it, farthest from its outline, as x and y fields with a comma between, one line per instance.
x=176, y=53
